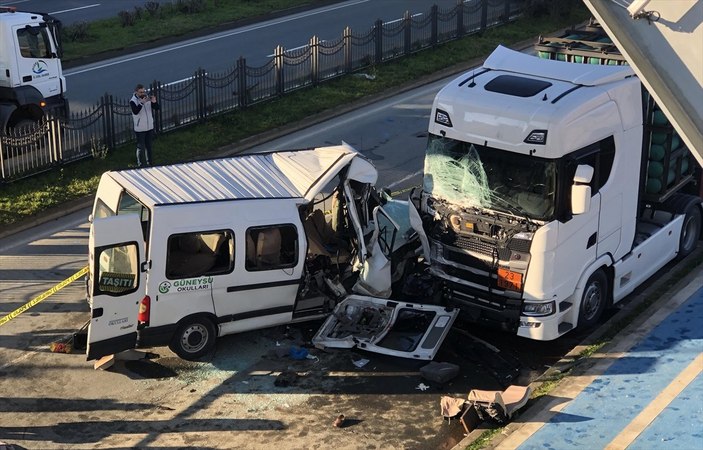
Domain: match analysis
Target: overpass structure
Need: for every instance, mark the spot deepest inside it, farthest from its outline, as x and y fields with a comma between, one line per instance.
x=663, y=41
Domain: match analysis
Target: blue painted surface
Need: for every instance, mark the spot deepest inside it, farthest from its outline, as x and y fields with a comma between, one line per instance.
x=598, y=414
x=680, y=425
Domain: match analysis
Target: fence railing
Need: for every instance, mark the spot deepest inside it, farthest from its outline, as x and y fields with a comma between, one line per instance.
x=54, y=142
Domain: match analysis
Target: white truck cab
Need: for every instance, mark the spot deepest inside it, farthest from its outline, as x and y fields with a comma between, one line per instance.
x=182, y=254
x=551, y=190
x=31, y=77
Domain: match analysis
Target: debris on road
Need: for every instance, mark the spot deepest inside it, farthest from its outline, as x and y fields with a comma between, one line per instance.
x=360, y=362
x=286, y=378
x=339, y=421
x=439, y=372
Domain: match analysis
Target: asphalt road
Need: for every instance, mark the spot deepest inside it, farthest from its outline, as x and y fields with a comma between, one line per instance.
x=133, y=404
x=54, y=400
x=72, y=11
x=219, y=52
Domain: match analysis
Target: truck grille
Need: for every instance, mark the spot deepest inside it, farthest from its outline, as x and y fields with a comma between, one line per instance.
x=467, y=260
x=520, y=245
x=475, y=245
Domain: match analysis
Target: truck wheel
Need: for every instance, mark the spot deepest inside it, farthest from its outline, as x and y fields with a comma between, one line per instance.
x=593, y=300
x=194, y=338
x=690, y=231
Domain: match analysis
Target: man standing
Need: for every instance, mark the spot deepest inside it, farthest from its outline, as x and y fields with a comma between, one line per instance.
x=143, y=117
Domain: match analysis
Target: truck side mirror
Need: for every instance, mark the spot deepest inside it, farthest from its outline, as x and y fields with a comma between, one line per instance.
x=581, y=190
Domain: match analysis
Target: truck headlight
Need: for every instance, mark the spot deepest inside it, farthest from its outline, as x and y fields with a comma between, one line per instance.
x=538, y=309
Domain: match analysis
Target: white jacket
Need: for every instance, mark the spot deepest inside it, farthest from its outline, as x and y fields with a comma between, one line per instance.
x=144, y=120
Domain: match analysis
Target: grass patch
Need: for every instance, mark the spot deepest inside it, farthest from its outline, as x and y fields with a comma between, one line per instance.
x=484, y=439
x=26, y=198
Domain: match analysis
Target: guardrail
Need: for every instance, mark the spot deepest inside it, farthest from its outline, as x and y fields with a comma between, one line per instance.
x=54, y=142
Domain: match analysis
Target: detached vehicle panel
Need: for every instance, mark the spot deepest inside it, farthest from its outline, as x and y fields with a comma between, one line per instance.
x=388, y=327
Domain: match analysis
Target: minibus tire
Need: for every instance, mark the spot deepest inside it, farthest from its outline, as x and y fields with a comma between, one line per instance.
x=194, y=338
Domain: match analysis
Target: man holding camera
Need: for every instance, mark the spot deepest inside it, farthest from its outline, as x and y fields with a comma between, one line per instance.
x=143, y=117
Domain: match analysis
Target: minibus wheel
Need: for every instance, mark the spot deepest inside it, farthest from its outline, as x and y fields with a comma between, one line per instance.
x=194, y=338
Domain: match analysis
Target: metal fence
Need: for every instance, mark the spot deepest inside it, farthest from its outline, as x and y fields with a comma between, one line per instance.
x=85, y=134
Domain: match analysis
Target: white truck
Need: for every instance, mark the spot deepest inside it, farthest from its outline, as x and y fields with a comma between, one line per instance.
x=32, y=84
x=182, y=254
x=553, y=187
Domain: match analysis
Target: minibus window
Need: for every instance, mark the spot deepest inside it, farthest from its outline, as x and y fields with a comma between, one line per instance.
x=271, y=247
x=130, y=205
x=102, y=210
x=198, y=254
x=117, y=269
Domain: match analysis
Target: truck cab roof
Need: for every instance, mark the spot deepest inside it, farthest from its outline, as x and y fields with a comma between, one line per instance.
x=490, y=104
x=508, y=60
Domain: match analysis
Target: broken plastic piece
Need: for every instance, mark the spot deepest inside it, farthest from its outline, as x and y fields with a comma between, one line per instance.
x=360, y=362
x=439, y=372
x=298, y=353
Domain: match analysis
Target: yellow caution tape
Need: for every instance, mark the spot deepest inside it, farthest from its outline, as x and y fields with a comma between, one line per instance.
x=44, y=295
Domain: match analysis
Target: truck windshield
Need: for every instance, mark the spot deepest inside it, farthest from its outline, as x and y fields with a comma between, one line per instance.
x=477, y=176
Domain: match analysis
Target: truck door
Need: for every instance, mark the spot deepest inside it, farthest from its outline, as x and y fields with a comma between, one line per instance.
x=38, y=64
x=115, y=285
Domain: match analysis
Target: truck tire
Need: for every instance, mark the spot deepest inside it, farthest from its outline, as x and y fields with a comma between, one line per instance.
x=594, y=299
x=194, y=338
x=690, y=231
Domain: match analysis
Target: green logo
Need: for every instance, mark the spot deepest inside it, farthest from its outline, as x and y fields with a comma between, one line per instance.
x=164, y=287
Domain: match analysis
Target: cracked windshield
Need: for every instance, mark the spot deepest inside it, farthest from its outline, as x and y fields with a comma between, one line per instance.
x=476, y=176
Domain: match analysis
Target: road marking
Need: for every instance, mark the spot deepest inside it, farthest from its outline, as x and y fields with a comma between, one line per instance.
x=340, y=374
x=323, y=41
x=19, y=359
x=628, y=435
x=310, y=132
x=408, y=177
x=214, y=38
x=75, y=9
x=43, y=296
x=13, y=3
x=401, y=19
x=288, y=50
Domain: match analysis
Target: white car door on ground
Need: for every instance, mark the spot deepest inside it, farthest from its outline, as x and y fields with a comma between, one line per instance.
x=406, y=330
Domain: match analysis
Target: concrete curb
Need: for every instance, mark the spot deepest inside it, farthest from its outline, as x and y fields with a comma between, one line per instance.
x=578, y=365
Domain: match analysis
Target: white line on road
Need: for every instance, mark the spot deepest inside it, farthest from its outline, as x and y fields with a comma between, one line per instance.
x=13, y=3
x=306, y=134
x=322, y=41
x=75, y=9
x=214, y=38
x=396, y=183
x=398, y=20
